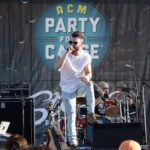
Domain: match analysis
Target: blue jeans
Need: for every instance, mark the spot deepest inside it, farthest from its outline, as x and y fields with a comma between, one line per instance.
x=69, y=100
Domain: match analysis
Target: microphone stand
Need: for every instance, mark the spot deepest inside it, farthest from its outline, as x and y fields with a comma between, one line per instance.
x=144, y=109
x=143, y=83
x=142, y=94
x=136, y=91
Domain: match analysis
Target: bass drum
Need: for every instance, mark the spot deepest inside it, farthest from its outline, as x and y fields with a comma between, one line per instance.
x=111, y=108
x=80, y=123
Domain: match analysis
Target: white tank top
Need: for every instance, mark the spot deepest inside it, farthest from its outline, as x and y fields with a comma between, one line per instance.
x=73, y=70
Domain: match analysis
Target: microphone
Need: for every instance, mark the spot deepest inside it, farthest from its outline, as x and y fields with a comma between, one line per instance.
x=71, y=48
x=68, y=48
x=128, y=66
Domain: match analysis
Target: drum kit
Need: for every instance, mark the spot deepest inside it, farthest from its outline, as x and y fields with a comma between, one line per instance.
x=118, y=109
x=112, y=110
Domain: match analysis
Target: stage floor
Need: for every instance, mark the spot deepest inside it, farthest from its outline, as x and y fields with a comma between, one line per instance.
x=143, y=147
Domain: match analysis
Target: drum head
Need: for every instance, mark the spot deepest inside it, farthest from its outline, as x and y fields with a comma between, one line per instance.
x=112, y=110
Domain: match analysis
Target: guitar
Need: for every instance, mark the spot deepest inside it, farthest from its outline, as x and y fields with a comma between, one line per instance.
x=55, y=135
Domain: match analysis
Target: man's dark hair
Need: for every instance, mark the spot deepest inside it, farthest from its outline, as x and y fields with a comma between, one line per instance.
x=77, y=34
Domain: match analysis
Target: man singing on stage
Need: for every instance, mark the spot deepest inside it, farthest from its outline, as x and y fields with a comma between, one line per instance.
x=74, y=65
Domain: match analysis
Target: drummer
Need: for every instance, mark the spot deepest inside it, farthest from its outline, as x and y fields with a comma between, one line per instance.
x=101, y=94
x=130, y=96
x=127, y=94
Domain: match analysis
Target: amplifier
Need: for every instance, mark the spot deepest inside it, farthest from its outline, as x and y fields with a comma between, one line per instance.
x=112, y=134
x=20, y=113
x=14, y=90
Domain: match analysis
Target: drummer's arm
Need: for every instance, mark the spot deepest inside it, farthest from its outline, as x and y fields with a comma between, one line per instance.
x=136, y=99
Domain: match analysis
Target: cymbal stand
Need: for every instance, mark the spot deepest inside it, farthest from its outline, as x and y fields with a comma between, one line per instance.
x=120, y=106
x=143, y=91
x=144, y=109
x=127, y=104
x=23, y=104
x=124, y=108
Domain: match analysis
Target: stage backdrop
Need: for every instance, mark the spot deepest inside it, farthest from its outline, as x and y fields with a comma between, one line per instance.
x=116, y=36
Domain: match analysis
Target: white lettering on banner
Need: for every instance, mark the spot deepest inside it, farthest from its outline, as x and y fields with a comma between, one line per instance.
x=72, y=24
x=49, y=93
x=49, y=22
x=67, y=38
x=43, y=117
x=47, y=53
x=85, y=47
x=60, y=26
x=94, y=23
x=82, y=24
x=46, y=101
x=44, y=111
x=61, y=38
x=61, y=47
x=93, y=50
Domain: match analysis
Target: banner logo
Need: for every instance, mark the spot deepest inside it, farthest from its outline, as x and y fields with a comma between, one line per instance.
x=55, y=26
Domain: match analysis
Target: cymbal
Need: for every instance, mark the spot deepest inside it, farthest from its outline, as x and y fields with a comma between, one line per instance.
x=125, y=89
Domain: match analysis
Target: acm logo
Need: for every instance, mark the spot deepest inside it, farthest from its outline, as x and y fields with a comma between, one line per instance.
x=55, y=25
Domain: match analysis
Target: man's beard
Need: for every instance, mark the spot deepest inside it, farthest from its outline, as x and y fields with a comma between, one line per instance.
x=75, y=50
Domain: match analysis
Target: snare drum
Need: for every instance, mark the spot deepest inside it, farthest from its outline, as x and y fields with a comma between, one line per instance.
x=103, y=120
x=111, y=108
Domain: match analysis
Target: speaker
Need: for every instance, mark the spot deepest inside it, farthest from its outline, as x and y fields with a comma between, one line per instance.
x=20, y=113
x=111, y=135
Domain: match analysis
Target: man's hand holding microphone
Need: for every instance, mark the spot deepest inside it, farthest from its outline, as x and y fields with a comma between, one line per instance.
x=70, y=49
